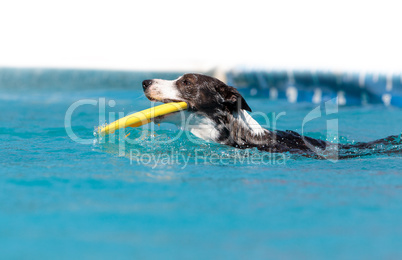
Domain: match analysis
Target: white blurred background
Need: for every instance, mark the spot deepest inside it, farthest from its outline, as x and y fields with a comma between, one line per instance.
x=200, y=35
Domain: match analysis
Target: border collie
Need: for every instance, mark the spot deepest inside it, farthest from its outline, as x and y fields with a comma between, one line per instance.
x=218, y=113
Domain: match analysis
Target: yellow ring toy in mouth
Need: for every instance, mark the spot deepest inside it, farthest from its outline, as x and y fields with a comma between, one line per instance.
x=143, y=117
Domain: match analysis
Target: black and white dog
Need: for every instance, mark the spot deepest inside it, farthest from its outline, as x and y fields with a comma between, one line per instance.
x=219, y=113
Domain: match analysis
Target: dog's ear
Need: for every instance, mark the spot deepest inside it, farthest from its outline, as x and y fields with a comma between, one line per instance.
x=233, y=100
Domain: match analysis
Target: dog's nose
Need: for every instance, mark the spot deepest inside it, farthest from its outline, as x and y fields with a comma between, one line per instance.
x=146, y=83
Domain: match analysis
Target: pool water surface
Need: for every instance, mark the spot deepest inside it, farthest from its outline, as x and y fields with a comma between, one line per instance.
x=64, y=199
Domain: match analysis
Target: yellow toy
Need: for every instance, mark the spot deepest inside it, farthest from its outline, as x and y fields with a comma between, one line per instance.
x=143, y=117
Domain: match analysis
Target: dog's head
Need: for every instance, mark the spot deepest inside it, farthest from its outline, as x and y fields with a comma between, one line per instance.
x=202, y=93
x=216, y=111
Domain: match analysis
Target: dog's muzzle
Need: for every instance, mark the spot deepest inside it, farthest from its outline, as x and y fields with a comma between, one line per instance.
x=146, y=83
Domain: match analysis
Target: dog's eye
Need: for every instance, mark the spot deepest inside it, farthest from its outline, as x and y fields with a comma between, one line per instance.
x=186, y=82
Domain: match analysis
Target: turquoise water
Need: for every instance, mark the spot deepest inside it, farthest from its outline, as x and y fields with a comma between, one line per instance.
x=62, y=199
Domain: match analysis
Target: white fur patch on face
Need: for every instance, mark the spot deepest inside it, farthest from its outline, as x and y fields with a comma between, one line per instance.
x=164, y=89
x=248, y=122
